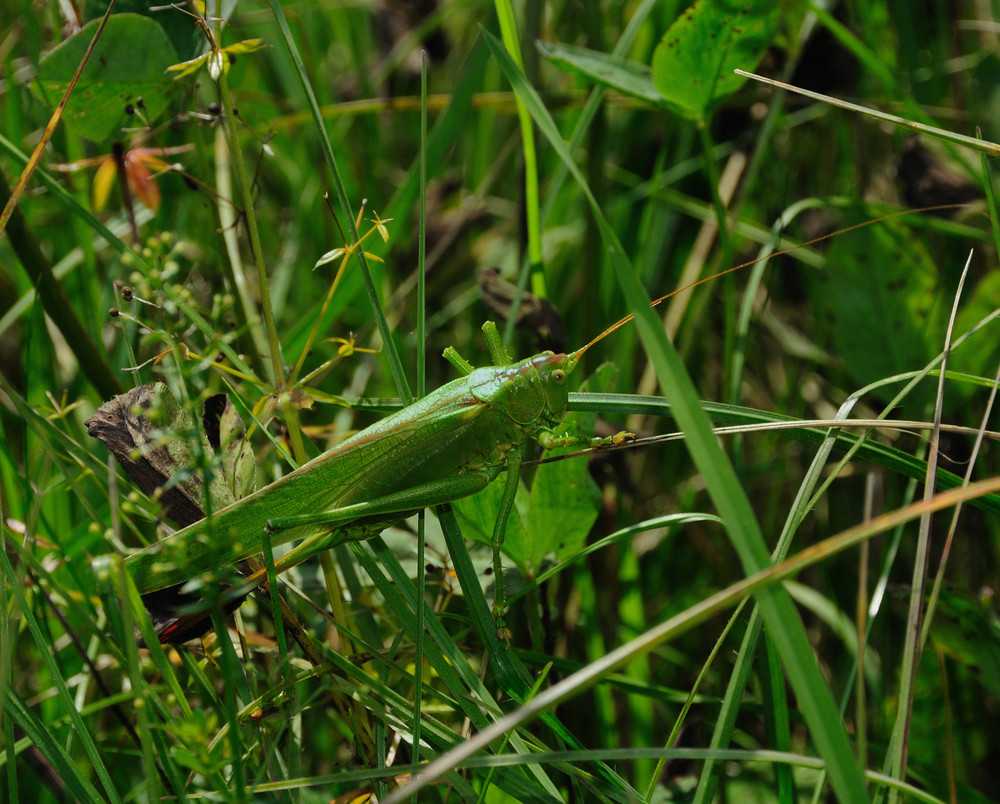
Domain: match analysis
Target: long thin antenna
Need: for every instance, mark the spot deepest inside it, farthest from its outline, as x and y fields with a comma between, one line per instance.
x=619, y=324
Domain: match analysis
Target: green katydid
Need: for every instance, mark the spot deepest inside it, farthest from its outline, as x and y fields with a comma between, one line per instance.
x=448, y=445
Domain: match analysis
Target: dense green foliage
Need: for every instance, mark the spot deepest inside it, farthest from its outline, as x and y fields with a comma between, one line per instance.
x=612, y=143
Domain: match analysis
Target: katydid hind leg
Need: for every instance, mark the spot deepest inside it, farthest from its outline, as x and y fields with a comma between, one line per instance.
x=347, y=523
x=399, y=502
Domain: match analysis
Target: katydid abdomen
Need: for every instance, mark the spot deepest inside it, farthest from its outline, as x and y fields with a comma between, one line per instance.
x=447, y=445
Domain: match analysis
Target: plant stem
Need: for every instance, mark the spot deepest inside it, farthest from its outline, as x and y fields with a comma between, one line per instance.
x=274, y=345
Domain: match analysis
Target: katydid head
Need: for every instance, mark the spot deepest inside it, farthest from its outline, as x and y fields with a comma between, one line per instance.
x=553, y=371
x=532, y=391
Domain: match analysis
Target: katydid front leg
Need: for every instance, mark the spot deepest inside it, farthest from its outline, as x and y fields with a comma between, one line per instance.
x=546, y=440
x=499, y=534
x=549, y=441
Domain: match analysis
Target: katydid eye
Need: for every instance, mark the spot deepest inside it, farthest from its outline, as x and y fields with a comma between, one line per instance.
x=558, y=376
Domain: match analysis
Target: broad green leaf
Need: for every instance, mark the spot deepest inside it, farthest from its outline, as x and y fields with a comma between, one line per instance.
x=561, y=511
x=553, y=520
x=564, y=500
x=694, y=62
x=621, y=75
x=177, y=21
x=127, y=68
x=478, y=513
x=880, y=293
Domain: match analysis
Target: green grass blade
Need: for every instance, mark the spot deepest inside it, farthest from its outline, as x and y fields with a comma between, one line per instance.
x=348, y=213
x=441, y=651
x=513, y=677
x=54, y=300
x=40, y=736
x=691, y=618
x=531, y=195
x=726, y=415
x=983, y=146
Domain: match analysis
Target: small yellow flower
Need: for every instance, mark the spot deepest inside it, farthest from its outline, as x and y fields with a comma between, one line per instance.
x=347, y=347
x=216, y=59
x=380, y=226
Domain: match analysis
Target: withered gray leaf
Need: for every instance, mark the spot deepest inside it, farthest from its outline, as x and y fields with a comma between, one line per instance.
x=150, y=435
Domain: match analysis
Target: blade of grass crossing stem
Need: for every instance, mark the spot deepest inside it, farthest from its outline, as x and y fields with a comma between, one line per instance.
x=148, y=746
x=231, y=669
x=444, y=655
x=132, y=602
x=896, y=755
x=781, y=617
x=695, y=615
x=388, y=345
x=732, y=701
x=726, y=722
x=921, y=563
x=121, y=601
x=681, y=718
